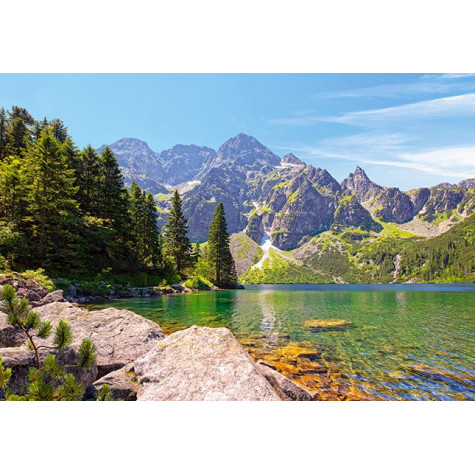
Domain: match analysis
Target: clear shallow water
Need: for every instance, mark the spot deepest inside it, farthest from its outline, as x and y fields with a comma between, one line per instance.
x=405, y=342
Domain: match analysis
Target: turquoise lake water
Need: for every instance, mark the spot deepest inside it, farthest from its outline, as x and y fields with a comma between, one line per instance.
x=402, y=342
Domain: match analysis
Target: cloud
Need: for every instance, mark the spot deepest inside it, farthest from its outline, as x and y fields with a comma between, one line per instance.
x=443, y=108
x=392, y=150
x=428, y=84
x=461, y=106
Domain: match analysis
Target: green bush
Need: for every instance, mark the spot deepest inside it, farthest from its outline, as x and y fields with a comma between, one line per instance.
x=198, y=283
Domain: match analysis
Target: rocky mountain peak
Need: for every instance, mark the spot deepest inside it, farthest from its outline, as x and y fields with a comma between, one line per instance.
x=247, y=151
x=361, y=186
x=129, y=143
x=291, y=159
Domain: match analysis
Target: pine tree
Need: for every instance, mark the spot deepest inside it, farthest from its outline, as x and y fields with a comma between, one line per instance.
x=196, y=253
x=219, y=253
x=17, y=137
x=177, y=244
x=113, y=209
x=52, y=209
x=87, y=177
x=152, y=233
x=48, y=381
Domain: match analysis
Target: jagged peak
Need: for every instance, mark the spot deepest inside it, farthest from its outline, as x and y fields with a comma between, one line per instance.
x=130, y=141
x=291, y=159
x=242, y=140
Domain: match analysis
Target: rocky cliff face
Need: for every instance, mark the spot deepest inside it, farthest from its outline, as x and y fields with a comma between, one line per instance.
x=350, y=214
x=182, y=163
x=392, y=205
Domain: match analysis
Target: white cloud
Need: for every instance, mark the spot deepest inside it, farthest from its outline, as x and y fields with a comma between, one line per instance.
x=428, y=84
x=392, y=151
x=461, y=106
x=446, y=107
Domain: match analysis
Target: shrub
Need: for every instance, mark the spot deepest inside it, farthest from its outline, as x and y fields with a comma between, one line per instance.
x=198, y=283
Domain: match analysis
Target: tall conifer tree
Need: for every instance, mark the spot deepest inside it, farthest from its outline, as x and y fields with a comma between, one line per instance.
x=175, y=232
x=219, y=251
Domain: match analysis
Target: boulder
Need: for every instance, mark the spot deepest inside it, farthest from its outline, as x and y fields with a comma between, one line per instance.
x=56, y=296
x=123, y=383
x=9, y=336
x=20, y=360
x=199, y=364
x=120, y=336
x=285, y=388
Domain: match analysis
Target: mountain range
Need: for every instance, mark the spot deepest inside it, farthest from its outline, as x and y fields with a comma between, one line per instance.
x=286, y=214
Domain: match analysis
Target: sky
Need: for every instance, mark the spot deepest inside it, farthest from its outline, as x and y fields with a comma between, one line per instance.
x=405, y=130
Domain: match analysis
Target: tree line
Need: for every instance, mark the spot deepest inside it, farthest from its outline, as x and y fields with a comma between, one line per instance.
x=68, y=211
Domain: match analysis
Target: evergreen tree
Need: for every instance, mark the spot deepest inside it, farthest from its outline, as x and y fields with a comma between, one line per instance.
x=60, y=131
x=196, y=253
x=52, y=208
x=17, y=137
x=219, y=253
x=87, y=176
x=48, y=381
x=23, y=114
x=152, y=233
x=177, y=244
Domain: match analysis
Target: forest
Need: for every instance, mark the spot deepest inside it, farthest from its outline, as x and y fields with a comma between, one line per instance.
x=67, y=211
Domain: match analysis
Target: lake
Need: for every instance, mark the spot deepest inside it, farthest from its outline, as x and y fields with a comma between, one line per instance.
x=398, y=342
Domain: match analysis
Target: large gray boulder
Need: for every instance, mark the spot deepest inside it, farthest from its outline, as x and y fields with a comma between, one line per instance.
x=20, y=360
x=120, y=336
x=285, y=388
x=201, y=364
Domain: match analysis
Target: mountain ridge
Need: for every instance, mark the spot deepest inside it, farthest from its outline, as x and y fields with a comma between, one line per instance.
x=290, y=201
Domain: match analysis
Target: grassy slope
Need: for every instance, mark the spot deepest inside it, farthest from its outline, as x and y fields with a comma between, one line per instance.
x=361, y=257
x=281, y=269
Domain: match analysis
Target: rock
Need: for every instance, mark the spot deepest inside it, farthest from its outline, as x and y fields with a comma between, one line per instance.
x=72, y=291
x=177, y=287
x=327, y=325
x=291, y=159
x=199, y=364
x=123, y=383
x=9, y=336
x=392, y=205
x=25, y=288
x=120, y=336
x=361, y=186
x=285, y=388
x=350, y=213
x=56, y=296
x=20, y=360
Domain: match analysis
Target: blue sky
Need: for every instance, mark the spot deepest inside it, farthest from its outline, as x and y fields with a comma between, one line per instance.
x=405, y=130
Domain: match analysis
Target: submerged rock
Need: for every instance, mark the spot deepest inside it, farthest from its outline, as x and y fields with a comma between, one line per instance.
x=200, y=364
x=120, y=336
x=319, y=325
